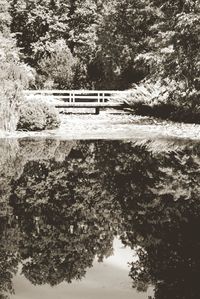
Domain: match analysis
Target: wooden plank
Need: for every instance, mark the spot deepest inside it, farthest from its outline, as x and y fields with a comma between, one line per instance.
x=103, y=97
x=57, y=91
x=87, y=105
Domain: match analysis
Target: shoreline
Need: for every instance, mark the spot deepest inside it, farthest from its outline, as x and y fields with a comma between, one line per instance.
x=112, y=126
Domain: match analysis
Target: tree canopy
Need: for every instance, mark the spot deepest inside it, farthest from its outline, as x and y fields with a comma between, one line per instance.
x=118, y=43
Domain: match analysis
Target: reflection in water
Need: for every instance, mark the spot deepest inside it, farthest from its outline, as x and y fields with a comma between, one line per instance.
x=63, y=202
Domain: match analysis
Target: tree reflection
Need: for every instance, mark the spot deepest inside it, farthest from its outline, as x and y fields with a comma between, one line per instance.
x=9, y=258
x=159, y=196
x=65, y=202
x=65, y=217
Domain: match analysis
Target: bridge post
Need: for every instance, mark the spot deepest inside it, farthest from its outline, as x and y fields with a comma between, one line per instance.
x=97, y=110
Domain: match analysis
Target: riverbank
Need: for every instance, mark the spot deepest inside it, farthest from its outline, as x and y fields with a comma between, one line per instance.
x=170, y=101
x=113, y=125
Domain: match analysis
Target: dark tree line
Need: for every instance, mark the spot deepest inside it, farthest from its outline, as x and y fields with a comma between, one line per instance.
x=108, y=44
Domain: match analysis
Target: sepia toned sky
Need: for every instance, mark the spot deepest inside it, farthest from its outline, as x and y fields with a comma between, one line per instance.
x=108, y=280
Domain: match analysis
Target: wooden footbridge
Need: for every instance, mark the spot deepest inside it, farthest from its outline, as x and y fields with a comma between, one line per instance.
x=96, y=99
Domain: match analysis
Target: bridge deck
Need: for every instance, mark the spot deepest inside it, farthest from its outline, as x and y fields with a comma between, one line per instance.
x=97, y=106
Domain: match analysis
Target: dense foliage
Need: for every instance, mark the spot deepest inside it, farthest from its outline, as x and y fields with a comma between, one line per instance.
x=173, y=59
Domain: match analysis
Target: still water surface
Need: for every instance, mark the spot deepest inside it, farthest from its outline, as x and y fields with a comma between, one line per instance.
x=73, y=214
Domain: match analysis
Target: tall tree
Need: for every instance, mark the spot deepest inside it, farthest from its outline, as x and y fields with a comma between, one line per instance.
x=121, y=36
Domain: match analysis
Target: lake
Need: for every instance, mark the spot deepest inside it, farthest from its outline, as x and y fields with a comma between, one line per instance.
x=99, y=218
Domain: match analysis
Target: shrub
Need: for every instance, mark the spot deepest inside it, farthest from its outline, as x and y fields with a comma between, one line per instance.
x=35, y=115
x=171, y=101
x=186, y=106
x=52, y=116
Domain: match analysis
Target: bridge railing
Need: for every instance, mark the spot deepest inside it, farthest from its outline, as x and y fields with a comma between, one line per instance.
x=72, y=96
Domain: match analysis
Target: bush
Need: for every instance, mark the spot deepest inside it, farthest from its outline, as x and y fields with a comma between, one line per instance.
x=170, y=101
x=52, y=116
x=186, y=106
x=35, y=115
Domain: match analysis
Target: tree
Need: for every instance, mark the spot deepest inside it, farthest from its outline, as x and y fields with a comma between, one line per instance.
x=173, y=54
x=121, y=36
x=40, y=25
x=56, y=67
